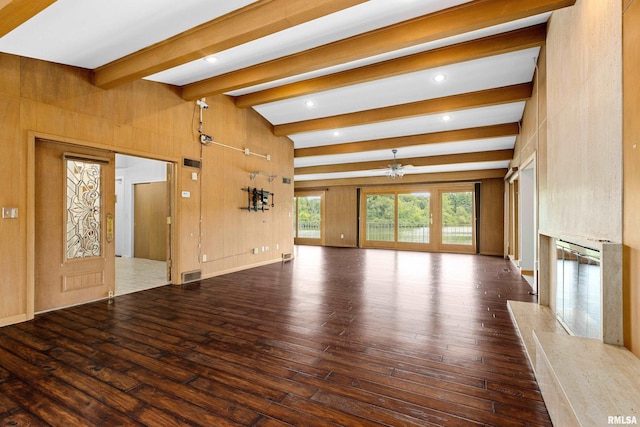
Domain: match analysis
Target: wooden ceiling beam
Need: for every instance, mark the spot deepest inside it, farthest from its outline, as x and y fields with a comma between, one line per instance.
x=445, y=159
x=484, y=132
x=483, y=98
x=489, y=46
x=425, y=178
x=254, y=21
x=457, y=20
x=14, y=13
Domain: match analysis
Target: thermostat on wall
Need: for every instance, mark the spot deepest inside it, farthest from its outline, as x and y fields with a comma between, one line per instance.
x=186, y=194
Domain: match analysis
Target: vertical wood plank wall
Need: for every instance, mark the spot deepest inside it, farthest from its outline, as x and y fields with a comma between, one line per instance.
x=631, y=156
x=492, y=217
x=148, y=120
x=341, y=211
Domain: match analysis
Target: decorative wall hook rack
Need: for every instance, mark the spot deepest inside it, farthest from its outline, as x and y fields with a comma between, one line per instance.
x=253, y=175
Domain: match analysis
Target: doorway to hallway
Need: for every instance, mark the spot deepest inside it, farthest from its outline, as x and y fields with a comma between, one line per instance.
x=143, y=209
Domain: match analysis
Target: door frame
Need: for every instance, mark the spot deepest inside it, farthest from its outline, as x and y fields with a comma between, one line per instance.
x=32, y=137
x=308, y=241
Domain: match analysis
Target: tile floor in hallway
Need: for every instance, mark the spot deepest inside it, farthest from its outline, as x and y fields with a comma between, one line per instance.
x=139, y=274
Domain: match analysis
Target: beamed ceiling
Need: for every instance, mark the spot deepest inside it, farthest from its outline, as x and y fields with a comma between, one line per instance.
x=346, y=80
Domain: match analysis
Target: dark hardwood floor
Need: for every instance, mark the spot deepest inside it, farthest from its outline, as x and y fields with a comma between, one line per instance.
x=336, y=337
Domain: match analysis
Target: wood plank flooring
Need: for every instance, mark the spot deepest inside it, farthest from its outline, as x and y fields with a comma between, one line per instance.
x=336, y=337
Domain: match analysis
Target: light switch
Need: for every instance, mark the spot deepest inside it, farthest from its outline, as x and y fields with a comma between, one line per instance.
x=194, y=176
x=9, y=213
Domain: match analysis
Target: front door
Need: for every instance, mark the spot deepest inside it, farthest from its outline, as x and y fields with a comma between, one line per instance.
x=74, y=224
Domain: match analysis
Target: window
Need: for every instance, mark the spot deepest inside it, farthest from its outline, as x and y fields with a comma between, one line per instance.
x=457, y=218
x=381, y=216
x=414, y=217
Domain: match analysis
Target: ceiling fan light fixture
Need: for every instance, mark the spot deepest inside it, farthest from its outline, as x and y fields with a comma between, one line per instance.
x=395, y=170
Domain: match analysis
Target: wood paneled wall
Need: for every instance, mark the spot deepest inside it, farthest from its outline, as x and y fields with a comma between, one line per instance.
x=492, y=217
x=13, y=185
x=341, y=211
x=149, y=120
x=631, y=183
x=584, y=116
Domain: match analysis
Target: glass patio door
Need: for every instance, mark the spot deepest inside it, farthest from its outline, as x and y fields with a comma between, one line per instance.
x=399, y=219
x=428, y=218
x=308, y=224
x=457, y=220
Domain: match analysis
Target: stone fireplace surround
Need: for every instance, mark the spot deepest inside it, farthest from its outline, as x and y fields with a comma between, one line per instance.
x=583, y=381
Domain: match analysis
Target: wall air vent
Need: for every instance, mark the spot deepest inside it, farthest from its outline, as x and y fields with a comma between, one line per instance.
x=286, y=180
x=191, y=276
x=191, y=163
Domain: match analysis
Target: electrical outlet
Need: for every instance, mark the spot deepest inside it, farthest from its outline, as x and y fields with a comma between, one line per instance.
x=256, y=250
x=204, y=258
x=266, y=248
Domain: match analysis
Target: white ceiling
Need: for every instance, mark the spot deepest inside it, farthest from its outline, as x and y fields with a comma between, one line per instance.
x=91, y=33
x=463, y=119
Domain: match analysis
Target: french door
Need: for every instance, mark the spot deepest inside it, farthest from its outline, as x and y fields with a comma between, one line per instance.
x=308, y=224
x=428, y=218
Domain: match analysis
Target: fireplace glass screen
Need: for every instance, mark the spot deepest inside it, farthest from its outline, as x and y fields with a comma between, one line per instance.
x=578, y=293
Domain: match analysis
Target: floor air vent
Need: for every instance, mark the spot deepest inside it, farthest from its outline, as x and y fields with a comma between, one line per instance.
x=191, y=276
x=287, y=257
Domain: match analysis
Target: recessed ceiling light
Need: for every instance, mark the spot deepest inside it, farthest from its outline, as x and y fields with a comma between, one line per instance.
x=446, y=118
x=439, y=78
x=211, y=59
x=310, y=104
x=336, y=133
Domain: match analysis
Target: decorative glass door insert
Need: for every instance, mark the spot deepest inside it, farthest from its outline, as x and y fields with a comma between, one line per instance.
x=83, y=209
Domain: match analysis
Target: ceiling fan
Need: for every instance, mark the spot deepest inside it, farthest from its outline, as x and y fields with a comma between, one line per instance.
x=396, y=170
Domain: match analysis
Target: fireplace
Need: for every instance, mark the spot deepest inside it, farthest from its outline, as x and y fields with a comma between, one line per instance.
x=578, y=290
x=580, y=280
